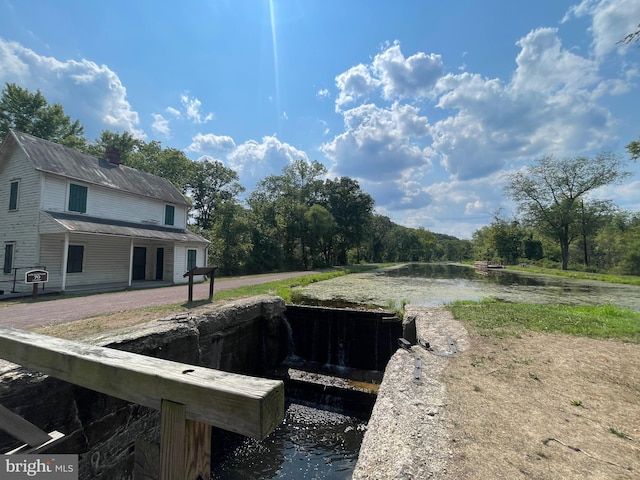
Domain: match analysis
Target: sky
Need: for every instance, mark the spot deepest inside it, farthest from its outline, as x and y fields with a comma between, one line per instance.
x=429, y=105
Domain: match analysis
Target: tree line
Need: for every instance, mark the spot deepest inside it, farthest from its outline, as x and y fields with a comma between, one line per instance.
x=298, y=219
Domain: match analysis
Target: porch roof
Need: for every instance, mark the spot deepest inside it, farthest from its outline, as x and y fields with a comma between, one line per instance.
x=100, y=226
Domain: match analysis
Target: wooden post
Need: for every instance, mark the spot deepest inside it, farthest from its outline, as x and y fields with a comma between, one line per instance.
x=197, y=450
x=172, y=441
x=190, y=286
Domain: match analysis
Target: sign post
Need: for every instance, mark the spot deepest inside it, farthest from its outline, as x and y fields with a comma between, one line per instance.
x=36, y=277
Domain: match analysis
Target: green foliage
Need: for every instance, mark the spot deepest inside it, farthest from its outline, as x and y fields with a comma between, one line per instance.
x=31, y=113
x=605, y=321
x=552, y=195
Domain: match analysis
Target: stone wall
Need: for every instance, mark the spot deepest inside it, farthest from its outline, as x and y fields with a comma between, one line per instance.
x=245, y=336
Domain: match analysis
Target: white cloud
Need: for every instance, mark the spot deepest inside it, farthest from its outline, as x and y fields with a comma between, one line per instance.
x=90, y=92
x=323, y=93
x=551, y=105
x=378, y=142
x=173, y=111
x=255, y=160
x=355, y=83
x=406, y=77
x=160, y=125
x=211, y=144
x=611, y=20
x=192, y=110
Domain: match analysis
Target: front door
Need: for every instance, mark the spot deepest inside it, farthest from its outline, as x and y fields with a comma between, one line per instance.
x=159, y=263
x=139, y=263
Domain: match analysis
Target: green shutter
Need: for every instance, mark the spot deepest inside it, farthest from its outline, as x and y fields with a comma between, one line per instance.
x=191, y=259
x=169, y=214
x=13, y=196
x=8, y=258
x=77, y=198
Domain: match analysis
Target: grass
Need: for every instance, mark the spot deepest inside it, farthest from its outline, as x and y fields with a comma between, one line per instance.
x=601, y=277
x=496, y=318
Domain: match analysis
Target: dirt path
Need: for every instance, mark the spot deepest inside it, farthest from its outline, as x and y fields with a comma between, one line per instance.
x=56, y=310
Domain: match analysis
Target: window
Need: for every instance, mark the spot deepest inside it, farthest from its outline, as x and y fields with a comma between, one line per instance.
x=169, y=214
x=8, y=258
x=77, y=198
x=13, y=196
x=75, y=258
x=192, y=256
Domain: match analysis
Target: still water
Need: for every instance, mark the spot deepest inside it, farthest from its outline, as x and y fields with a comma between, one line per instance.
x=309, y=444
x=439, y=284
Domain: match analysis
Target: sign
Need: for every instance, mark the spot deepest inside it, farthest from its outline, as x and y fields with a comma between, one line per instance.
x=36, y=276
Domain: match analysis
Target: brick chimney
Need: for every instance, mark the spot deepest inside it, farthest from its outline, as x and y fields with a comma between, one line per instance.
x=112, y=155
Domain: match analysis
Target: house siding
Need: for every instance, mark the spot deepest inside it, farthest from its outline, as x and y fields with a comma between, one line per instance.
x=103, y=203
x=19, y=226
x=181, y=262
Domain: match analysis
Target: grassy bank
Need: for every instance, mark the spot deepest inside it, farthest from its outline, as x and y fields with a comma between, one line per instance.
x=501, y=319
x=602, y=277
x=282, y=288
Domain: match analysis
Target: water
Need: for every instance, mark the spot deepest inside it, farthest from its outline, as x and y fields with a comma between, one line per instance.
x=439, y=284
x=310, y=444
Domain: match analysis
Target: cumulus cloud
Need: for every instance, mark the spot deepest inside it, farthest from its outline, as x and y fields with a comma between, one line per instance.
x=611, y=20
x=322, y=93
x=90, y=92
x=192, y=110
x=211, y=144
x=160, y=125
x=550, y=105
x=255, y=160
x=378, y=142
x=406, y=77
x=355, y=83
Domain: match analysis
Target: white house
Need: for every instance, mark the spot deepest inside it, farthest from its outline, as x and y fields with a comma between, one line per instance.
x=88, y=220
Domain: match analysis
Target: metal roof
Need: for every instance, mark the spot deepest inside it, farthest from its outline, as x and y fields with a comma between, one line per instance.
x=57, y=159
x=100, y=226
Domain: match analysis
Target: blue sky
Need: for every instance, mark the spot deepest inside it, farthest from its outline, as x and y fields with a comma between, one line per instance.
x=428, y=104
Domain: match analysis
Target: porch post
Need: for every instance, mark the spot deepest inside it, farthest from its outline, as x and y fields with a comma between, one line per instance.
x=131, y=261
x=65, y=260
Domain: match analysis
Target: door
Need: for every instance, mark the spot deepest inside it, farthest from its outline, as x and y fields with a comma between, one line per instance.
x=159, y=263
x=139, y=263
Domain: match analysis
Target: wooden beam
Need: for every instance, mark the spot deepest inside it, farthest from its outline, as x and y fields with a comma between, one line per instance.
x=250, y=406
x=19, y=428
x=197, y=450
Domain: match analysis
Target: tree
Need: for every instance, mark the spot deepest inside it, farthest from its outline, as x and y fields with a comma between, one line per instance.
x=631, y=37
x=126, y=144
x=213, y=185
x=31, y=113
x=352, y=209
x=549, y=193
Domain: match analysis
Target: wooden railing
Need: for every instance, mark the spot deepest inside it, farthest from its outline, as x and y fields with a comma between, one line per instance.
x=191, y=398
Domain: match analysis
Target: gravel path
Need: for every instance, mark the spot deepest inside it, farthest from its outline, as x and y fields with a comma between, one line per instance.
x=54, y=310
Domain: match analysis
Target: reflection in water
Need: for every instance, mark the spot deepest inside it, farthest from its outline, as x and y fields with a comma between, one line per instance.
x=310, y=444
x=438, y=284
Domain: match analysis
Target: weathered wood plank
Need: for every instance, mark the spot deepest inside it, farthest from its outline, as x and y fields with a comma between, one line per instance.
x=172, y=440
x=247, y=405
x=55, y=437
x=197, y=450
x=21, y=429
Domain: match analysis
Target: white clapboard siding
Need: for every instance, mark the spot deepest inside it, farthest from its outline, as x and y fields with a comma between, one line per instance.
x=51, y=247
x=106, y=260
x=54, y=193
x=19, y=226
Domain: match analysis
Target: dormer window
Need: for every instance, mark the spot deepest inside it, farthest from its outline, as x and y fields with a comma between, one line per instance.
x=169, y=214
x=77, y=198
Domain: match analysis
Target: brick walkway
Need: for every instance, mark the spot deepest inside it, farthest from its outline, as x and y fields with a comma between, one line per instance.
x=54, y=310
